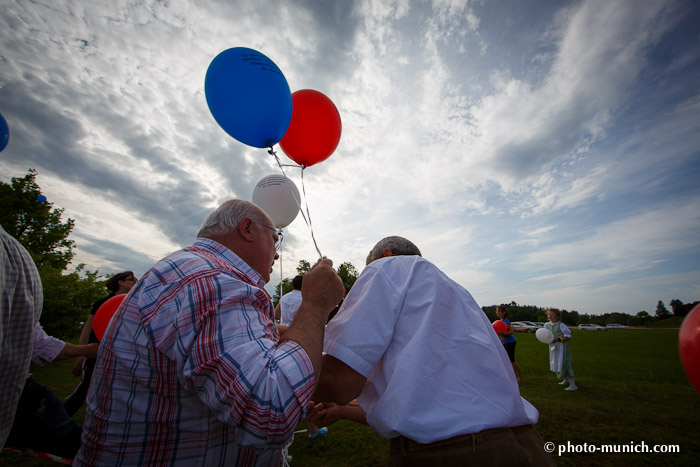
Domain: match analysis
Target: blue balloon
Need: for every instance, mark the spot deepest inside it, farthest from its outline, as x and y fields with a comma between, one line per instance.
x=5, y=133
x=41, y=199
x=249, y=97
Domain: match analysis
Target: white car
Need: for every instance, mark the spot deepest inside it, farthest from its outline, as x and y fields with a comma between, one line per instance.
x=617, y=326
x=523, y=326
x=591, y=327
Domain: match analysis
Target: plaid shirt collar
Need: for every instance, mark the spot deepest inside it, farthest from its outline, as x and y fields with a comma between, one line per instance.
x=229, y=256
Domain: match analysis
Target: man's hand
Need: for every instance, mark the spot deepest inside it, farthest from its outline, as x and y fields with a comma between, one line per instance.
x=323, y=413
x=327, y=413
x=321, y=291
x=322, y=287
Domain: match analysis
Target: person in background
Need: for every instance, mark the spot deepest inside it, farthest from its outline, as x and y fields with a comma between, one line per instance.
x=427, y=369
x=41, y=421
x=509, y=341
x=289, y=303
x=21, y=299
x=559, y=350
x=197, y=372
x=120, y=283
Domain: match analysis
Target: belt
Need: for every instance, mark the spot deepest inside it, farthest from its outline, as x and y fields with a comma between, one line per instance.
x=403, y=444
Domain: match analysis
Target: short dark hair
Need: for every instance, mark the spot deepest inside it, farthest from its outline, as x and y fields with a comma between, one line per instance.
x=113, y=282
x=296, y=282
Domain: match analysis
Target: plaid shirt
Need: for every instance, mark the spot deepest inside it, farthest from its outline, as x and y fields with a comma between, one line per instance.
x=21, y=299
x=190, y=370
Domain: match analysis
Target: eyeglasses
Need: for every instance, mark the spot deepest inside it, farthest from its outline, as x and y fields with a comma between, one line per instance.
x=278, y=240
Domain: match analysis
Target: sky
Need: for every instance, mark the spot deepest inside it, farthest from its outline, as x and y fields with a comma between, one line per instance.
x=537, y=151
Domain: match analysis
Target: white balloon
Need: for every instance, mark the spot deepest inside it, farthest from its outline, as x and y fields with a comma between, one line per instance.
x=278, y=196
x=544, y=335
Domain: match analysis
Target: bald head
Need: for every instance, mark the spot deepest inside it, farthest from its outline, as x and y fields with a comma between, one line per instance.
x=226, y=218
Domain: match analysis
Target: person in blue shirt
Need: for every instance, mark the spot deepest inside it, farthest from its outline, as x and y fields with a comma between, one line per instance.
x=509, y=341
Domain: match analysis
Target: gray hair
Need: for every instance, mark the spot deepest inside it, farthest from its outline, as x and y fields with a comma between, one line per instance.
x=399, y=246
x=226, y=217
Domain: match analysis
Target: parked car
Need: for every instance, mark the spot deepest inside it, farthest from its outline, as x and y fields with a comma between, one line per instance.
x=617, y=326
x=591, y=327
x=523, y=326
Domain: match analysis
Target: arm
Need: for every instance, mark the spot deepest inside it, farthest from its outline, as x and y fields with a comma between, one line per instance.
x=566, y=331
x=338, y=382
x=73, y=350
x=322, y=290
x=510, y=329
x=84, y=339
x=278, y=313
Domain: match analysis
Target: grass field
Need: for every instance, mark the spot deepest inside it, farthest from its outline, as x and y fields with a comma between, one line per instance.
x=632, y=389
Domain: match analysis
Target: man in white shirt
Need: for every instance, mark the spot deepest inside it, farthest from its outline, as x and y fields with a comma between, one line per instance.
x=290, y=302
x=426, y=367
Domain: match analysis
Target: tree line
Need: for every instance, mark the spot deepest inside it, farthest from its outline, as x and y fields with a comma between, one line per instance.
x=518, y=312
x=68, y=295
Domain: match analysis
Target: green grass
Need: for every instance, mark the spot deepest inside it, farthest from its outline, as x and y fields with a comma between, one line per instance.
x=632, y=388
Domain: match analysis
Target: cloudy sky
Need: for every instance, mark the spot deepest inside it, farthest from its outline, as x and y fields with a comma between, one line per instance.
x=538, y=151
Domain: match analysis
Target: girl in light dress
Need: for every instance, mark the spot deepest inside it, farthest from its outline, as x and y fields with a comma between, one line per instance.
x=559, y=350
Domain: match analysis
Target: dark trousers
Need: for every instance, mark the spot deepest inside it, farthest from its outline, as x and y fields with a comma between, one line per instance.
x=41, y=423
x=512, y=447
x=76, y=400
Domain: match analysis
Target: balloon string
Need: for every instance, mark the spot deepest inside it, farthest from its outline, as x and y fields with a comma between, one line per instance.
x=281, y=278
x=272, y=152
x=306, y=201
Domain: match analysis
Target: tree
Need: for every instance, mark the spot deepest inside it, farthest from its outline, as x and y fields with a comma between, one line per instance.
x=661, y=311
x=681, y=309
x=304, y=267
x=677, y=307
x=26, y=215
x=348, y=274
x=286, y=288
x=68, y=299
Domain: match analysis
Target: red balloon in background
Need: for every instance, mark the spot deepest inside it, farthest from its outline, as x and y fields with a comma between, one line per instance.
x=689, y=346
x=104, y=314
x=500, y=327
x=314, y=131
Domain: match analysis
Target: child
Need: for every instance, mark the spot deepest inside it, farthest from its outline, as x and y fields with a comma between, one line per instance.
x=509, y=341
x=559, y=350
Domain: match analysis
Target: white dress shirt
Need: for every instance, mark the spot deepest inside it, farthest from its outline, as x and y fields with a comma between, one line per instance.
x=435, y=367
x=289, y=304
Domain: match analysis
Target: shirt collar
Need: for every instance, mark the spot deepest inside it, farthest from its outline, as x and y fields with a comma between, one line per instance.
x=219, y=250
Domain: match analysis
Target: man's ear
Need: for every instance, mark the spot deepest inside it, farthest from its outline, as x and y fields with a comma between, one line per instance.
x=245, y=229
x=387, y=252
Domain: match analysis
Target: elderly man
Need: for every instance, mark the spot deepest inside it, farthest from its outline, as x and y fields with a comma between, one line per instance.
x=192, y=370
x=430, y=372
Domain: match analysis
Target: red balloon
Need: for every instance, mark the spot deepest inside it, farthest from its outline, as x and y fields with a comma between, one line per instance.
x=104, y=314
x=689, y=346
x=314, y=131
x=500, y=327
